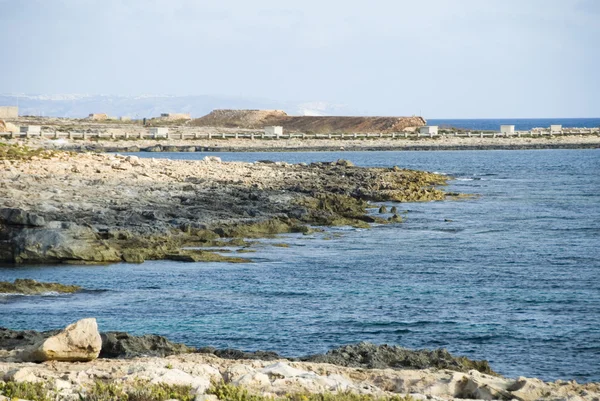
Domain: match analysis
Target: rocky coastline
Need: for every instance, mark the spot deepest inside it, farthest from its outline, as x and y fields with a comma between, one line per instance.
x=129, y=366
x=64, y=207
x=444, y=143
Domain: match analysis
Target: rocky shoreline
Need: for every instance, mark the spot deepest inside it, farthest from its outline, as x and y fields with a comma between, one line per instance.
x=584, y=141
x=153, y=365
x=64, y=207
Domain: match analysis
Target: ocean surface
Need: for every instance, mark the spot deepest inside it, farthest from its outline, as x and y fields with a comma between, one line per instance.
x=523, y=124
x=512, y=276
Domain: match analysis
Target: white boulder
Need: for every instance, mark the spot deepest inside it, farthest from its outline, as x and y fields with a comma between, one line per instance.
x=78, y=342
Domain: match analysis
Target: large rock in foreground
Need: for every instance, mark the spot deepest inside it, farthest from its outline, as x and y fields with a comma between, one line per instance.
x=78, y=342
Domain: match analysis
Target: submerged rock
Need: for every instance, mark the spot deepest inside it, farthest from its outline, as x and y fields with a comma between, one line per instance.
x=32, y=287
x=78, y=342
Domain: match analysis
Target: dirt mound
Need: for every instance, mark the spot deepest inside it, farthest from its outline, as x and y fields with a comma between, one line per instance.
x=258, y=119
x=240, y=118
x=325, y=125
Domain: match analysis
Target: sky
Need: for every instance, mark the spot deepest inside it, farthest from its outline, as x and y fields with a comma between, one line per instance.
x=437, y=58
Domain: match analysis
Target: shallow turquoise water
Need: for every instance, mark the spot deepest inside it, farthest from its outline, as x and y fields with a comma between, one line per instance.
x=514, y=277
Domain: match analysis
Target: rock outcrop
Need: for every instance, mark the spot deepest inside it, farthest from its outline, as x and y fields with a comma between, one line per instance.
x=27, y=238
x=79, y=341
x=123, y=345
x=32, y=287
x=372, y=356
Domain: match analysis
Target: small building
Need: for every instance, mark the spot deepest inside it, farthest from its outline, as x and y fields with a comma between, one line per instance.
x=429, y=130
x=556, y=129
x=9, y=112
x=507, y=129
x=159, y=132
x=175, y=116
x=98, y=116
x=274, y=130
x=31, y=129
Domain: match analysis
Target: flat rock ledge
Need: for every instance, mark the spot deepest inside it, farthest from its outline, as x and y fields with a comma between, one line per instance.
x=26, y=286
x=61, y=207
x=199, y=372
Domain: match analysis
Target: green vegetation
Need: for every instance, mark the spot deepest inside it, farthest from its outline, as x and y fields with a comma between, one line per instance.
x=17, y=152
x=26, y=391
x=141, y=390
x=229, y=392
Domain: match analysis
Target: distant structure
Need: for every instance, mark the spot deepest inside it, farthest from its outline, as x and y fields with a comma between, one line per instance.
x=556, y=129
x=429, y=130
x=98, y=116
x=175, y=116
x=507, y=129
x=275, y=130
x=31, y=129
x=159, y=132
x=9, y=112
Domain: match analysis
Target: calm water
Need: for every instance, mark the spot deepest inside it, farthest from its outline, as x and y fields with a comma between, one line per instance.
x=513, y=277
x=493, y=124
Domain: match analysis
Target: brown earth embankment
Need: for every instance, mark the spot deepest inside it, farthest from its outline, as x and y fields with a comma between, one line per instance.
x=253, y=119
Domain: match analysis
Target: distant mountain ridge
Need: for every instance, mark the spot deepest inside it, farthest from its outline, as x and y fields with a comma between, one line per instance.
x=80, y=105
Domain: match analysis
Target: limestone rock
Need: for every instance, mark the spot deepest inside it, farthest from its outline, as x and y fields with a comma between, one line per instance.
x=155, y=374
x=13, y=216
x=58, y=243
x=79, y=341
x=22, y=375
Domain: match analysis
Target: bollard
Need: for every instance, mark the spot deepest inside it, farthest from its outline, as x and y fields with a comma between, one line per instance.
x=236, y=135
x=393, y=135
x=127, y=135
x=252, y=135
x=141, y=135
x=329, y=136
x=113, y=136
x=209, y=135
x=70, y=134
x=303, y=135
x=481, y=134
x=223, y=135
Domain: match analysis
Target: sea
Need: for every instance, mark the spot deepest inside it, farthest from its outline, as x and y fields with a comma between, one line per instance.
x=521, y=124
x=511, y=275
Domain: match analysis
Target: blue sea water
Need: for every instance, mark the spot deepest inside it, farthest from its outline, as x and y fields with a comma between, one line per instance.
x=512, y=276
x=523, y=124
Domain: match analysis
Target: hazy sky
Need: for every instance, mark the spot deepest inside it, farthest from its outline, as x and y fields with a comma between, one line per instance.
x=440, y=58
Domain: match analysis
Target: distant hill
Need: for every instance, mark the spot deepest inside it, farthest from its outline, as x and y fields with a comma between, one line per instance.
x=79, y=106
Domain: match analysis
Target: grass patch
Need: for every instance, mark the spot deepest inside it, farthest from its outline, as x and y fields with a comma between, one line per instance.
x=16, y=152
x=141, y=390
x=26, y=391
x=229, y=392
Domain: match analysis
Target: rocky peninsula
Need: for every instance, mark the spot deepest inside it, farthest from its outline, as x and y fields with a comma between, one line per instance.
x=62, y=207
